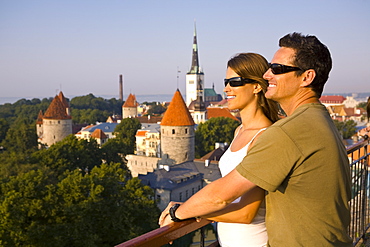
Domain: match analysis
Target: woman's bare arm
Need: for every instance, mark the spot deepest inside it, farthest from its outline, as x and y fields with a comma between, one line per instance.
x=243, y=211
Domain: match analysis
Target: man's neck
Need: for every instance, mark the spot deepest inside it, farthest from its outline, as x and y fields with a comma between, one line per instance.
x=305, y=97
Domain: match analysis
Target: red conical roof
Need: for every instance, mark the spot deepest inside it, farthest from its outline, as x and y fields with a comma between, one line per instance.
x=63, y=100
x=39, y=118
x=131, y=101
x=177, y=114
x=56, y=110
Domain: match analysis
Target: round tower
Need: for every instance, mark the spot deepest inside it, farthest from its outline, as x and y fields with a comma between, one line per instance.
x=39, y=128
x=57, y=121
x=177, y=131
x=129, y=108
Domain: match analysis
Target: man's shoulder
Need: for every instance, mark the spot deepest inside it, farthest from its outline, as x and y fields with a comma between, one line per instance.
x=304, y=113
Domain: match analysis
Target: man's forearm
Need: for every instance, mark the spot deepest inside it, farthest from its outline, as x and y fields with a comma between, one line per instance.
x=215, y=196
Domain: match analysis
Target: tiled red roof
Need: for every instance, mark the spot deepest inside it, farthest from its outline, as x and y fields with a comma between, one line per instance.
x=63, y=100
x=131, y=101
x=332, y=99
x=177, y=114
x=151, y=119
x=141, y=132
x=219, y=112
x=39, y=118
x=350, y=111
x=56, y=110
x=98, y=134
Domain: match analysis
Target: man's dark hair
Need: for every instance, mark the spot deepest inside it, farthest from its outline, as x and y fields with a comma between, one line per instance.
x=310, y=54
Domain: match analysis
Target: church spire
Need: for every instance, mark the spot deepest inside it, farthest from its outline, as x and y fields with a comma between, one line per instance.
x=195, y=61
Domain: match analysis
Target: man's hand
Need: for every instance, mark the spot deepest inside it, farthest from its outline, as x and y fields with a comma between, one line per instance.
x=165, y=218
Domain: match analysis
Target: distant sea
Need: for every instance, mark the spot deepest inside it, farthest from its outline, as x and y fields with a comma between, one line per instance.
x=140, y=98
x=363, y=96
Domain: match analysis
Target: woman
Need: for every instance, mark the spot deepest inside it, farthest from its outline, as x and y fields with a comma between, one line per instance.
x=242, y=223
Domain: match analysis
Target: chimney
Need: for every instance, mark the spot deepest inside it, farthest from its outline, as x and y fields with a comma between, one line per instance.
x=120, y=88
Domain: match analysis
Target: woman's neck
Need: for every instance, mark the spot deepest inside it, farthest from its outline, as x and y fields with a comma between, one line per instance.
x=254, y=119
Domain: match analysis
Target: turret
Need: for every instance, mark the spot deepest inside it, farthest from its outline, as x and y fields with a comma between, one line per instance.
x=177, y=131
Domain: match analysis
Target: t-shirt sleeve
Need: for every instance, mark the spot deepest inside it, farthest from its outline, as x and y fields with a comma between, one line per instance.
x=271, y=159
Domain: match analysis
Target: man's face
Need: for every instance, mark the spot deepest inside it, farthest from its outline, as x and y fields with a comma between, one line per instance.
x=282, y=87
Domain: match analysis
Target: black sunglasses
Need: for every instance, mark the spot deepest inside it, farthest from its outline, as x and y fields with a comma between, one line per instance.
x=238, y=81
x=278, y=69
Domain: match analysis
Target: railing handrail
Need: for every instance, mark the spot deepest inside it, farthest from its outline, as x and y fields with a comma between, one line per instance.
x=165, y=234
x=357, y=146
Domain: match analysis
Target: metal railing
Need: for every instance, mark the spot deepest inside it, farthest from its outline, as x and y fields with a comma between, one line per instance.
x=358, y=155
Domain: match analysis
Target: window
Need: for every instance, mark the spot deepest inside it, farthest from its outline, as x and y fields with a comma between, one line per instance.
x=186, y=131
x=180, y=196
x=191, y=82
x=192, y=191
x=173, y=131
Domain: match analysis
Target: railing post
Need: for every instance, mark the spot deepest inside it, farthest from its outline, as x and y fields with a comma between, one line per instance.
x=202, y=237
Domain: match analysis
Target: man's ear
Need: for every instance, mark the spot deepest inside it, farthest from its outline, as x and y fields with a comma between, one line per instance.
x=307, y=77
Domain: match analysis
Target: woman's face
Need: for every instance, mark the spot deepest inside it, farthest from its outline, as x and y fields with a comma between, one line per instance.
x=238, y=97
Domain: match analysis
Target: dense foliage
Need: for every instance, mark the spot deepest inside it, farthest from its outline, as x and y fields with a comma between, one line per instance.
x=126, y=131
x=101, y=208
x=218, y=129
x=90, y=109
x=72, y=194
x=347, y=128
x=84, y=109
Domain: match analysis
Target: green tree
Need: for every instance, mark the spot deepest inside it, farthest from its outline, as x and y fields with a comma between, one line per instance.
x=347, y=128
x=4, y=126
x=70, y=154
x=362, y=105
x=218, y=129
x=24, y=213
x=21, y=137
x=13, y=163
x=114, y=150
x=126, y=131
x=89, y=116
x=102, y=208
x=156, y=109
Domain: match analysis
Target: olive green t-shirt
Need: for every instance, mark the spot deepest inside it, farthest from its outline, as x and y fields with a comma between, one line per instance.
x=302, y=163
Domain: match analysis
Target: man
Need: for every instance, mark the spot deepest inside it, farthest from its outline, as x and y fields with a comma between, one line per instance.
x=300, y=160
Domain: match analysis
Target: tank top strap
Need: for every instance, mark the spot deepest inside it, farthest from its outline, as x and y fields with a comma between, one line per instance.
x=256, y=135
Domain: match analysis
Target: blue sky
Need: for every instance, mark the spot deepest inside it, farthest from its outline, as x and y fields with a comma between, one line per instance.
x=82, y=47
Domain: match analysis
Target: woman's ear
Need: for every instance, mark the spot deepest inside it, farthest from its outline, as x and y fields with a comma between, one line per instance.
x=257, y=89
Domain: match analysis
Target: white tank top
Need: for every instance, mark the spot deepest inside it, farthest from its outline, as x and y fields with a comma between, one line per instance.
x=236, y=234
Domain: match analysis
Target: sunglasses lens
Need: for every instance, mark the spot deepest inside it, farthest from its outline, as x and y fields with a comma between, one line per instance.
x=277, y=69
x=234, y=82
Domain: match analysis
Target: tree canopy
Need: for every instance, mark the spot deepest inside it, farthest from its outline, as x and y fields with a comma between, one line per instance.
x=126, y=131
x=347, y=128
x=100, y=208
x=219, y=129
